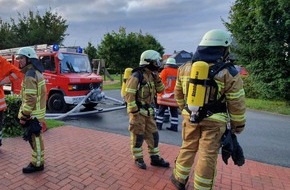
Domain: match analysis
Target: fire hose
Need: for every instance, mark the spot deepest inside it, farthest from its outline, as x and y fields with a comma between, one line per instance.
x=73, y=113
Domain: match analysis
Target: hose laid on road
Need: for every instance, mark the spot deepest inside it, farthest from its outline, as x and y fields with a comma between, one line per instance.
x=100, y=110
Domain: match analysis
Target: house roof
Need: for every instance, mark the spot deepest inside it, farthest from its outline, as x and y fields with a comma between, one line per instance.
x=182, y=57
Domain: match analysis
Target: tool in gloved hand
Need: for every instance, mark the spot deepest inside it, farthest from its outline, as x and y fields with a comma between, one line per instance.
x=31, y=126
x=237, y=154
x=231, y=148
x=227, y=145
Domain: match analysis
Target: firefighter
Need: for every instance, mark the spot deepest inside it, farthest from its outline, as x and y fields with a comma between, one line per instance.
x=33, y=95
x=203, y=135
x=141, y=88
x=9, y=73
x=166, y=99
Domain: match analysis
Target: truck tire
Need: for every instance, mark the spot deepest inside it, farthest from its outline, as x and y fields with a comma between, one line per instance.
x=56, y=104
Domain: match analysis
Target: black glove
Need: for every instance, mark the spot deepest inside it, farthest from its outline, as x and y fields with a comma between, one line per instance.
x=238, y=129
x=227, y=145
x=27, y=132
x=226, y=154
x=24, y=119
x=237, y=155
x=32, y=126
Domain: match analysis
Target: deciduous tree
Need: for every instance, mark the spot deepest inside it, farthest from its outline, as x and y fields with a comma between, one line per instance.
x=33, y=29
x=121, y=49
x=261, y=29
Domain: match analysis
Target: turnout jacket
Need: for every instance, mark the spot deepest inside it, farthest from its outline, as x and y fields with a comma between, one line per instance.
x=140, y=95
x=33, y=94
x=229, y=83
x=8, y=74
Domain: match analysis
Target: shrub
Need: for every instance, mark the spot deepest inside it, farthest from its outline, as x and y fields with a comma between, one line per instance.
x=12, y=127
x=251, y=89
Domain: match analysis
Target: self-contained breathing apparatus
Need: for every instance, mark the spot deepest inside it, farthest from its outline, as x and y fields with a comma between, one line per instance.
x=202, y=95
x=127, y=74
x=138, y=73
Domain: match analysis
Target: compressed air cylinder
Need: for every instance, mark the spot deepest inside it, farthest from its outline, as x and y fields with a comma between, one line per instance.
x=196, y=92
x=127, y=74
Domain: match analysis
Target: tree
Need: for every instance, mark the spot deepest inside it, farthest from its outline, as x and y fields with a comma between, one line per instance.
x=121, y=50
x=5, y=34
x=33, y=29
x=261, y=29
x=91, y=51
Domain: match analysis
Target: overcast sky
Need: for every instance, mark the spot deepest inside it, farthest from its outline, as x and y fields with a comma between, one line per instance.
x=176, y=24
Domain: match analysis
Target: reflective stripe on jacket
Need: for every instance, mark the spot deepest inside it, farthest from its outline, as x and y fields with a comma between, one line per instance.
x=33, y=94
x=143, y=93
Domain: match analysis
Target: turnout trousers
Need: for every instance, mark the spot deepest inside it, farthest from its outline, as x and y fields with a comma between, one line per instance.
x=143, y=128
x=37, y=146
x=202, y=138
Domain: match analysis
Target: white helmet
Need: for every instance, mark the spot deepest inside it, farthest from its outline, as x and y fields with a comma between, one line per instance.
x=27, y=52
x=148, y=56
x=216, y=37
x=170, y=61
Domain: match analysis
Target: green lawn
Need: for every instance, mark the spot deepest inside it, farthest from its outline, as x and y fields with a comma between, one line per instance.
x=269, y=106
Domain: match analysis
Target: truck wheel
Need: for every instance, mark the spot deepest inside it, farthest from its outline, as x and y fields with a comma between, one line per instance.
x=56, y=104
x=90, y=106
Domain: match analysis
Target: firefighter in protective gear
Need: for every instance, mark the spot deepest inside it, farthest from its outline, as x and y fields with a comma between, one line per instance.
x=141, y=88
x=33, y=95
x=204, y=136
x=166, y=99
x=8, y=74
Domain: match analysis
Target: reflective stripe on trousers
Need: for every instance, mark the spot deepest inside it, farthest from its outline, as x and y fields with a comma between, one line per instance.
x=203, y=138
x=37, y=150
x=145, y=127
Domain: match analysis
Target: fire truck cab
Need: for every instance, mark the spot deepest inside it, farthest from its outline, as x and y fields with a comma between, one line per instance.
x=68, y=75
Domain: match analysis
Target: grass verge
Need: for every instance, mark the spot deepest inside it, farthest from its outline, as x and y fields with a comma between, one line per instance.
x=52, y=123
x=269, y=106
x=112, y=86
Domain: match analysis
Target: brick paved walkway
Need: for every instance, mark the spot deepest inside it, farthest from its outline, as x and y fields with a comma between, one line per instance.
x=78, y=158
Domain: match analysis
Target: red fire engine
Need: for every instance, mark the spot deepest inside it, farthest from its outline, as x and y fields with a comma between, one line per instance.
x=68, y=74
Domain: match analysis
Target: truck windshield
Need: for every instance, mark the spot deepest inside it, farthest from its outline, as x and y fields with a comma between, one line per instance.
x=75, y=63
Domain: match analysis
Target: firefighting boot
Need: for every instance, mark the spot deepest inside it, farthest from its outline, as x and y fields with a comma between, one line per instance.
x=173, y=127
x=158, y=161
x=31, y=168
x=140, y=163
x=177, y=184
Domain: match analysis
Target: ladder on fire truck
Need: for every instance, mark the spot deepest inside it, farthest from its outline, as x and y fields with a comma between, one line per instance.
x=12, y=51
x=38, y=48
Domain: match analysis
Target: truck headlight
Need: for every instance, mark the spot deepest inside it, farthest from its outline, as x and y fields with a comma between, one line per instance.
x=72, y=87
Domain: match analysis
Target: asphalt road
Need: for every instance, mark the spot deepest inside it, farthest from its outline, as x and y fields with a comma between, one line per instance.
x=265, y=138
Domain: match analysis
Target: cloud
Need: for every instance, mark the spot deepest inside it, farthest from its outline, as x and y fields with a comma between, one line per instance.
x=177, y=24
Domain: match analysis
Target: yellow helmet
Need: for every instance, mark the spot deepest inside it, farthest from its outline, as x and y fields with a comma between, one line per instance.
x=216, y=37
x=27, y=52
x=150, y=56
x=170, y=61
